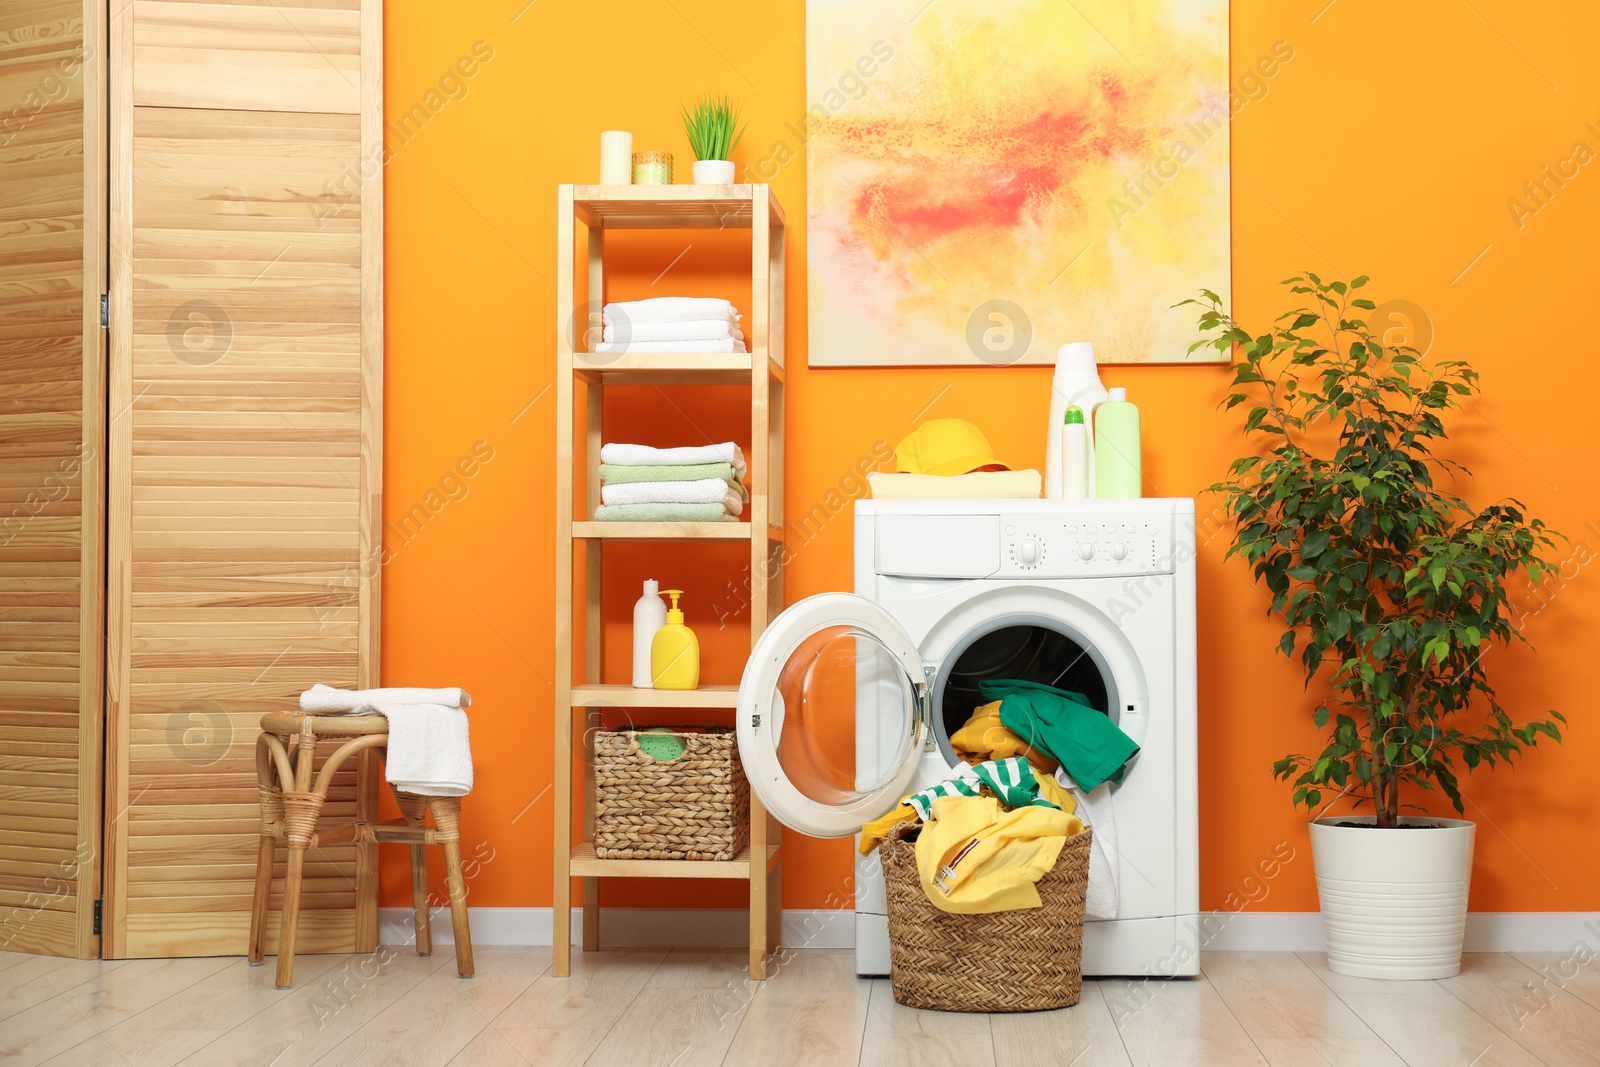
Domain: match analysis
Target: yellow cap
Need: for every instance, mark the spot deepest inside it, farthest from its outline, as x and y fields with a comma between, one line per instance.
x=945, y=446
x=674, y=613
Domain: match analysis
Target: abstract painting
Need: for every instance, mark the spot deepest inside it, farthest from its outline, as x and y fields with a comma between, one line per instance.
x=990, y=179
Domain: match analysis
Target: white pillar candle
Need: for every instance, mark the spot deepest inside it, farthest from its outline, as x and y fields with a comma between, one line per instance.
x=616, y=157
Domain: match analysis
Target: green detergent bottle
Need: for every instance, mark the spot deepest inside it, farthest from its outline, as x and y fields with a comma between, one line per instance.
x=1116, y=449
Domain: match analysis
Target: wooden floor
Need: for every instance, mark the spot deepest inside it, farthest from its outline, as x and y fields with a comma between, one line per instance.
x=685, y=1008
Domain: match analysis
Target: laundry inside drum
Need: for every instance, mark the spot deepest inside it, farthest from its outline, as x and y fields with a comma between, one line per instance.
x=1031, y=652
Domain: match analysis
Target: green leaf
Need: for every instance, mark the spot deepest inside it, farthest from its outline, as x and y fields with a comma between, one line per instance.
x=1321, y=717
x=1315, y=544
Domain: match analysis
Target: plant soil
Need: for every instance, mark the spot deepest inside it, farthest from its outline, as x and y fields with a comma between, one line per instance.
x=1373, y=826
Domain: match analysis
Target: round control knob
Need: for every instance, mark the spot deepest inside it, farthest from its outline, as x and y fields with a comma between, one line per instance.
x=1119, y=551
x=1028, y=552
x=1086, y=551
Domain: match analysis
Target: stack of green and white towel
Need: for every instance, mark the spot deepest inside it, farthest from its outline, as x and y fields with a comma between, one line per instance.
x=701, y=483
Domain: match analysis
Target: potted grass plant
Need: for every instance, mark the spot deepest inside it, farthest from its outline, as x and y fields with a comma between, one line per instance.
x=1390, y=588
x=712, y=124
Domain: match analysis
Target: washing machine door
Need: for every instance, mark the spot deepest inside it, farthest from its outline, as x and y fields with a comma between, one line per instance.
x=832, y=665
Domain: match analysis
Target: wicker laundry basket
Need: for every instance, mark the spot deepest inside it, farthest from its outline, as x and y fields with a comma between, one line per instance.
x=695, y=807
x=1025, y=960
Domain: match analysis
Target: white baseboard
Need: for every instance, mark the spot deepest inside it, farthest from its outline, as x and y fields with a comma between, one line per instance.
x=1281, y=931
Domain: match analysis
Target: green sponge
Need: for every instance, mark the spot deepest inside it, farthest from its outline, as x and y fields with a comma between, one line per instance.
x=662, y=744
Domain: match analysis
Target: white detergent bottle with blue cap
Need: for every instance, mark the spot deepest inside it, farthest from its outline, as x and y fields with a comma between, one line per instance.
x=1077, y=382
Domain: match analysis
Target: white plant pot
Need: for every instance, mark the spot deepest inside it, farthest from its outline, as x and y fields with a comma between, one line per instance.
x=1394, y=901
x=713, y=172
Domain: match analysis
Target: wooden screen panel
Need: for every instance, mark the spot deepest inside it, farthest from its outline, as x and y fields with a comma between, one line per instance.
x=245, y=370
x=263, y=55
x=52, y=381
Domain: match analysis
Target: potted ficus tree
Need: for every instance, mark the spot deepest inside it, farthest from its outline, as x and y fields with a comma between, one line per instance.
x=1390, y=588
x=712, y=125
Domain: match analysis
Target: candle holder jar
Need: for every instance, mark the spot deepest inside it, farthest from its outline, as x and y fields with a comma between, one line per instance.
x=652, y=168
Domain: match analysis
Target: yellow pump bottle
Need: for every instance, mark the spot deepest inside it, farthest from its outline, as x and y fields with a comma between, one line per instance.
x=675, y=651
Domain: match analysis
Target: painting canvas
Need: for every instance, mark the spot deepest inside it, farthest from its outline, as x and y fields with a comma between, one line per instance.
x=989, y=179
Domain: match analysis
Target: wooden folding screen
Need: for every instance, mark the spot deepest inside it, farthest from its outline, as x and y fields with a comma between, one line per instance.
x=245, y=392
x=52, y=464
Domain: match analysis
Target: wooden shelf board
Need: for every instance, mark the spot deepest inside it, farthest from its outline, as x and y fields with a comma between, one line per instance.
x=663, y=531
x=642, y=207
x=626, y=696
x=585, y=864
x=668, y=368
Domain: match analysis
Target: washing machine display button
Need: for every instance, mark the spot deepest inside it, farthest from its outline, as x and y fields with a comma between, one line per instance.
x=1119, y=551
x=1086, y=551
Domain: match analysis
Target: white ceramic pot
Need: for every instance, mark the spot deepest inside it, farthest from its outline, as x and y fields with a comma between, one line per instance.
x=713, y=172
x=1394, y=901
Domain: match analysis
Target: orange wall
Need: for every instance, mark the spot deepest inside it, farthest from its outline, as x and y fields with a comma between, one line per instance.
x=1389, y=145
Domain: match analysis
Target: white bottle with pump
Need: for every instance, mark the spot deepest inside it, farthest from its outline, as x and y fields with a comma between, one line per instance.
x=1077, y=382
x=649, y=615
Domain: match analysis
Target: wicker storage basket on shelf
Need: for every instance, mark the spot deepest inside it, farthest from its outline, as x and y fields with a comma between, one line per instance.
x=1026, y=960
x=695, y=807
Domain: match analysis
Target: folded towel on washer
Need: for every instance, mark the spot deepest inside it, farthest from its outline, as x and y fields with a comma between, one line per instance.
x=1096, y=809
x=613, y=473
x=429, y=750
x=666, y=309
x=979, y=485
x=326, y=700
x=692, y=330
x=662, y=513
x=647, y=455
x=726, y=344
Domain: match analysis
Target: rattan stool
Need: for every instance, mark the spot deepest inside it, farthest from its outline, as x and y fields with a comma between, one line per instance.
x=291, y=804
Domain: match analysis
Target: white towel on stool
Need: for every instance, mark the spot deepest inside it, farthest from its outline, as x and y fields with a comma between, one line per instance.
x=429, y=751
x=1095, y=808
x=326, y=700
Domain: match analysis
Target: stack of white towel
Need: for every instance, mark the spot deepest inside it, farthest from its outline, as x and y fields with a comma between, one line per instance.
x=671, y=324
x=429, y=752
x=703, y=483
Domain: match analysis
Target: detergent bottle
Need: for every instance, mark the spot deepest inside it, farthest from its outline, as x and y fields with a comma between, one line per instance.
x=1118, y=474
x=649, y=615
x=1076, y=382
x=675, y=651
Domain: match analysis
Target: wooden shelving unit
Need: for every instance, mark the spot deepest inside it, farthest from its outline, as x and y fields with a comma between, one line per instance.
x=580, y=541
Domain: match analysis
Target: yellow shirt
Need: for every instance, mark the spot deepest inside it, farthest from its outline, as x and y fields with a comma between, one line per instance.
x=976, y=857
x=984, y=738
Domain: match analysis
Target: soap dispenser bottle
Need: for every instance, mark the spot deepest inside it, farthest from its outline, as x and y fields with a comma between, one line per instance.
x=675, y=651
x=649, y=615
x=1117, y=473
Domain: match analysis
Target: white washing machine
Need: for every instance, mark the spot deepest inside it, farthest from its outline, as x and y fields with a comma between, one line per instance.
x=848, y=700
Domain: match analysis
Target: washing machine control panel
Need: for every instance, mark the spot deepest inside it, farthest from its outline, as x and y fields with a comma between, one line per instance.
x=1086, y=547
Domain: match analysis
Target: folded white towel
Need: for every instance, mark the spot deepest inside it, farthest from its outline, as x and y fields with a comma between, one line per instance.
x=734, y=503
x=646, y=455
x=430, y=750
x=699, y=491
x=726, y=344
x=326, y=700
x=667, y=309
x=695, y=330
x=1104, y=894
